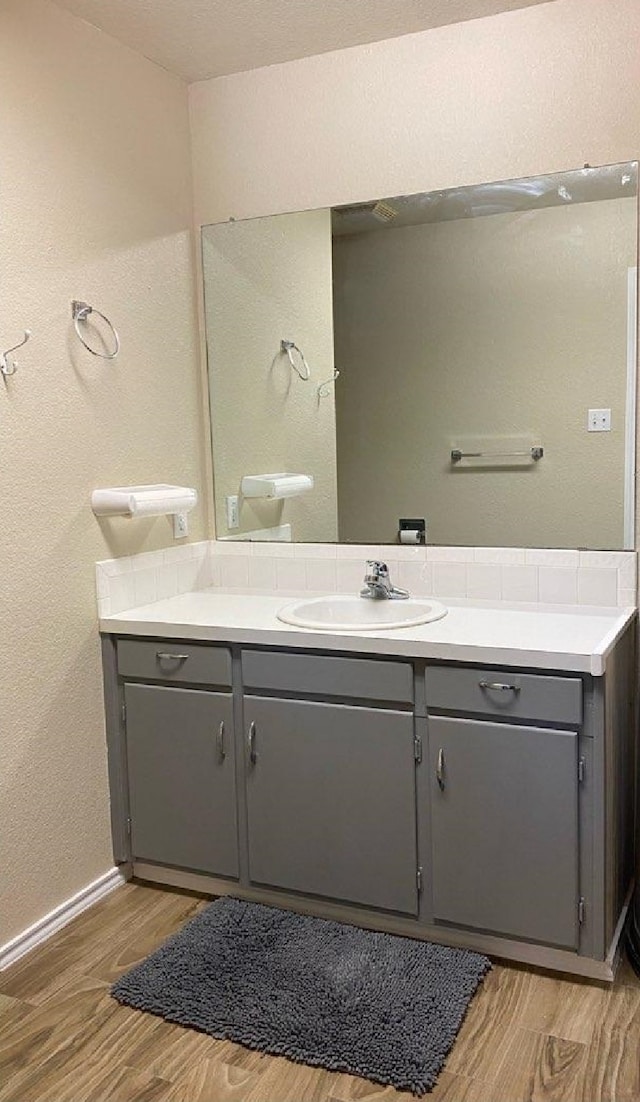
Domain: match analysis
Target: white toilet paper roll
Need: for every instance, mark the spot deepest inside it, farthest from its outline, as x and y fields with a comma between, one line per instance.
x=409, y=535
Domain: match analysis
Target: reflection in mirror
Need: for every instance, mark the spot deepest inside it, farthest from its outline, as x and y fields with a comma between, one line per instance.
x=461, y=361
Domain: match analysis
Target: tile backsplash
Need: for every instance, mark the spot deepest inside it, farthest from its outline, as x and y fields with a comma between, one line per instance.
x=510, y=574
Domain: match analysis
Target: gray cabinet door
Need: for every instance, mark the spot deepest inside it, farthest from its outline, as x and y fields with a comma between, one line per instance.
x=182, y=793
x=331, y=801
x=505, y=828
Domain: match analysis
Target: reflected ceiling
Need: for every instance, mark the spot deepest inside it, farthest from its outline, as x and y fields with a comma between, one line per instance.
x=585, y=185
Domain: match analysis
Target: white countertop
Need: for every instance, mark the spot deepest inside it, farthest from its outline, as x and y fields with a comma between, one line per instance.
x=558, y=637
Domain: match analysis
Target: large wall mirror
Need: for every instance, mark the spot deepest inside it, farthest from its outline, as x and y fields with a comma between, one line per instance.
x=465, y=357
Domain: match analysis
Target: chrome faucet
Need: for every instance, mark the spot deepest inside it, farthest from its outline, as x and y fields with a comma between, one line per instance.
x=377, y=584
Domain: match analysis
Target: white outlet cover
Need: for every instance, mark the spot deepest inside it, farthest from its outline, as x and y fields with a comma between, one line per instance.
x=599, y=420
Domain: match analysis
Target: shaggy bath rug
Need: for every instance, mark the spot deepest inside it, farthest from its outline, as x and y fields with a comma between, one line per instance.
x=318, y=992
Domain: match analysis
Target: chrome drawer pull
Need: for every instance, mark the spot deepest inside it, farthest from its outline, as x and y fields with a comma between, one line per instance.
x=222, y=753
x=440, y=770
x=164, y=656
x=499, y=686
x=251, y=743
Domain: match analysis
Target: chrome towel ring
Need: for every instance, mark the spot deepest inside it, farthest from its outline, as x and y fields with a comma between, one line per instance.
x=80, y=312
x=287, y=348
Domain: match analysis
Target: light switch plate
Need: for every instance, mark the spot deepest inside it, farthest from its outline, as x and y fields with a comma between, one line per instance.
x=599, y=420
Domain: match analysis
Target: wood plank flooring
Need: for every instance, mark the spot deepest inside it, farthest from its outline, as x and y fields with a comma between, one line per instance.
x=529, y=1036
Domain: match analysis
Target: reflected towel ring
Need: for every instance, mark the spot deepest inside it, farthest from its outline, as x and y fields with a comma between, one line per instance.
x=288, y=348
x=80, y=312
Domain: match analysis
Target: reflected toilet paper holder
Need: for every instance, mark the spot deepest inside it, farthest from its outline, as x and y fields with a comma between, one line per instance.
x=412, y=531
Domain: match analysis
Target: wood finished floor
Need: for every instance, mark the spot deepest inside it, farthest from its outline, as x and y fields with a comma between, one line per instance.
x=528, y=1035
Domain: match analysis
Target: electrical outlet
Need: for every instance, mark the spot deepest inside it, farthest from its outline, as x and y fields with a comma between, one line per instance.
x=233, y=511
x=599, y=420
x=180, y=526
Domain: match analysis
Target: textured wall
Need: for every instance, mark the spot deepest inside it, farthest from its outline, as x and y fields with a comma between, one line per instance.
x=537, y=90
x=504, y=325
x=265, y=280
x=95, y=204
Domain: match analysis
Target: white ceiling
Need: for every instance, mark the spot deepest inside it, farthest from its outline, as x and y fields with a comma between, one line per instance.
x=198, y=39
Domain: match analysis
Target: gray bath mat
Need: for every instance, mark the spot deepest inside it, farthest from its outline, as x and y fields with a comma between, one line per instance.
x=383, y=1007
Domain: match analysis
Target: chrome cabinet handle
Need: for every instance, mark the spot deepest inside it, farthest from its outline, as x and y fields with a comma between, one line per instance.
x=251, y=743
x=165, y=656
x=499, y=686
x=222, y=753
x=440, y=770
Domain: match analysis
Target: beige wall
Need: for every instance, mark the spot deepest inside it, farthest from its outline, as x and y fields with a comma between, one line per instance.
x=95, y=204
x=537, y=90
x=488, y=327
x=266, y=280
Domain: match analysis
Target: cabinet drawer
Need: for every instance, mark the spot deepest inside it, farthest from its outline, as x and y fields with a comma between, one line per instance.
x=504, y=693
x=173, y=661
x=320, y=675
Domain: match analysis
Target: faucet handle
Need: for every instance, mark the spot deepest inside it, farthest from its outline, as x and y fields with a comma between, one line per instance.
x=380, y=569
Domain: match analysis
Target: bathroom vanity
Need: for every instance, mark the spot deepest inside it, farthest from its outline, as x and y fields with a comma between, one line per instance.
x=426, y=781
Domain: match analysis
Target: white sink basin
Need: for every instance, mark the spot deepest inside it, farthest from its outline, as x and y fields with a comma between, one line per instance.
x=360, y=613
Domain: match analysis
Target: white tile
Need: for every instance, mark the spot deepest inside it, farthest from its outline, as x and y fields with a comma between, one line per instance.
x=628, y=575
x=449, y=554
x=615, y=560
x=519, y=583
x=104, y=606
x=402, y=552
x=597, y=586
x=167, y=580
x=234, y=548
x=291, y=574
x=204, y=573
x=321, y=574
x=198, y=549
x=114, y=568
x=144, y=582
x=187, y=574
x=483, y=581
x=215, y=569
x=275, y=550
x=449, y=579
x=176, y=554
x=315, y=550
x=557, y=585
x=417, y=577
x=234, y=571
x=539, y=556
x=501, y=555
x=350, y=575
x=122, y=593
x=627, y=598
x=262, y=572
x=102, y=582
x=146, y=560
x=361, y=551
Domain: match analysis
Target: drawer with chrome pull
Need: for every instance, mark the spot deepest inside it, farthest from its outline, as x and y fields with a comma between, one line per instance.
x=504, y=693
x=176, y=662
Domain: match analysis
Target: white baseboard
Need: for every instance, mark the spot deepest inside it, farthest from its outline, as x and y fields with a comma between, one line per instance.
x=42, y=930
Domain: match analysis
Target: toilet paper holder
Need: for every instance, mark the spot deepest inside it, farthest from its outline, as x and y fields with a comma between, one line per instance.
x=412, y=531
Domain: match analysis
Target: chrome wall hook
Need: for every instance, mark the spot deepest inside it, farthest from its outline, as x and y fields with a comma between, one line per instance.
x=325, y=388
x=9, y=367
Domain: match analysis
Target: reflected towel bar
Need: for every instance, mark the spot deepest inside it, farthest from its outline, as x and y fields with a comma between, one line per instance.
x=532, y=453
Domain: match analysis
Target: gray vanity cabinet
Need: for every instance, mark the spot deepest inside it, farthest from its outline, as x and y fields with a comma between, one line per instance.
x=181, y=771
x=331, y=801
x=504, y=820
x=485, y=807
